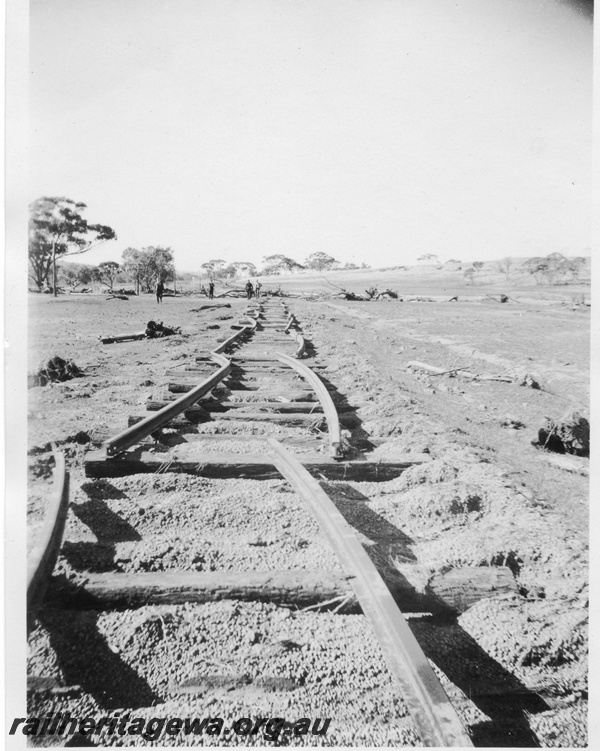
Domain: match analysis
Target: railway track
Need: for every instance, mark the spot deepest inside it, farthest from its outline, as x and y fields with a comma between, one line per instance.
x=250, y=410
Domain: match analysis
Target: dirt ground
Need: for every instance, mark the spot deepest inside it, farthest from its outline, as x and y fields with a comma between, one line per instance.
x=488, y=497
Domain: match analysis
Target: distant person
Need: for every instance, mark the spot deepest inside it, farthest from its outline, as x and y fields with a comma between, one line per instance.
x=257, y=289
x=249, y=289
x=211, y=289
x=160, y=288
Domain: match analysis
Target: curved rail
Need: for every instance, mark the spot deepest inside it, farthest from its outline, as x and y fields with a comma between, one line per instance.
x=434, y=716
x=41, y=560
x=331, y=415
x=135, y=433
x=244, y=330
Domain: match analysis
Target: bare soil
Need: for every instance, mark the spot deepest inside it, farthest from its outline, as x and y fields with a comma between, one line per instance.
x=515, y=667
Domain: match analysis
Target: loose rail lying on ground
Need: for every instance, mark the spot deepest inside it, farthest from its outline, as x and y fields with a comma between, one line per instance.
x=42, y=558
x=433, y=714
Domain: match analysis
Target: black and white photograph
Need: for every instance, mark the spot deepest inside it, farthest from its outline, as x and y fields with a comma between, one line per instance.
x=301, y=455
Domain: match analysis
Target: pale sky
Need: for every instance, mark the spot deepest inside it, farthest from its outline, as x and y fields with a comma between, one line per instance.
x=372, y=130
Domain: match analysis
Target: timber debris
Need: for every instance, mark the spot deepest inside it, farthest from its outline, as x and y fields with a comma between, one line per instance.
x=156, y=330
x=568, y=435
x=54, y=370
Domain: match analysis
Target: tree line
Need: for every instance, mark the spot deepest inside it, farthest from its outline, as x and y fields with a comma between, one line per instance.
x=57, y=229
x=274, y=265
x=140, y=268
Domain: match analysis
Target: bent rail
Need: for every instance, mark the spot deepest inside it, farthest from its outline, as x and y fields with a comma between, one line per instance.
x=130, y=436
x=41, y=560
x=331, y=415
x=135, y=433
x=434, y=716
x=245, y=329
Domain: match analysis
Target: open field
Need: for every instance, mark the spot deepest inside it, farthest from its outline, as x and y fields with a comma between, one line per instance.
x=515, y=667
x=420, y=280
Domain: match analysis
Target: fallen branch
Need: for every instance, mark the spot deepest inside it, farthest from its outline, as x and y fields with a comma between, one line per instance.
x=452, y=370
x=208, y=307
x=503, y=379
x=431, y=369
x=122, y=337
x=331, y=284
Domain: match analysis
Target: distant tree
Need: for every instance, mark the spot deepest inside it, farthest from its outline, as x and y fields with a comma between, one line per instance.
x=161, y=262
x=428, y=257
x=217, y=268
x=469, y=275
x=108, y=272
x=145, y=267
x=349, y=265
x=550, y=269
x=278, y=263
x=505, y=266
x=574, y=267
x=216, y=264
x=320, y=261
x=477, y=265
x=538, y=268
x=229, y=272
x=135, y=265
x=57, y=229
x=244, y=268
x=365, y=266
x=74, y=274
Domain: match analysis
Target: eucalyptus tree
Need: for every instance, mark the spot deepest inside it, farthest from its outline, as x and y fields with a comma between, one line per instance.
x=58, y=229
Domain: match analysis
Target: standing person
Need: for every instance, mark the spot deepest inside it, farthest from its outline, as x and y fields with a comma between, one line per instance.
x=257, y=289
x=160, y=288
x=249, y=289
x=211, y=289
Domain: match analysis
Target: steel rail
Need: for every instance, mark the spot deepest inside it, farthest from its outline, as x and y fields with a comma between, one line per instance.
x=130, y=436
x=434, y=716
x=331, y=415
x=244, y=330
x=156, y=420
x=41, y=560
x=299, y=339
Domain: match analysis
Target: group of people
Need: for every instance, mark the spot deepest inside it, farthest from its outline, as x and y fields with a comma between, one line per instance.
x=251, y=290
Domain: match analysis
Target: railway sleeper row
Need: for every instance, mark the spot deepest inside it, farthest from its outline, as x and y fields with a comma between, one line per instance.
x=357, y=587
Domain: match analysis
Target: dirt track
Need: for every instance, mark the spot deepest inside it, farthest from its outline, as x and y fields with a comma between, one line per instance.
x=488, y=497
